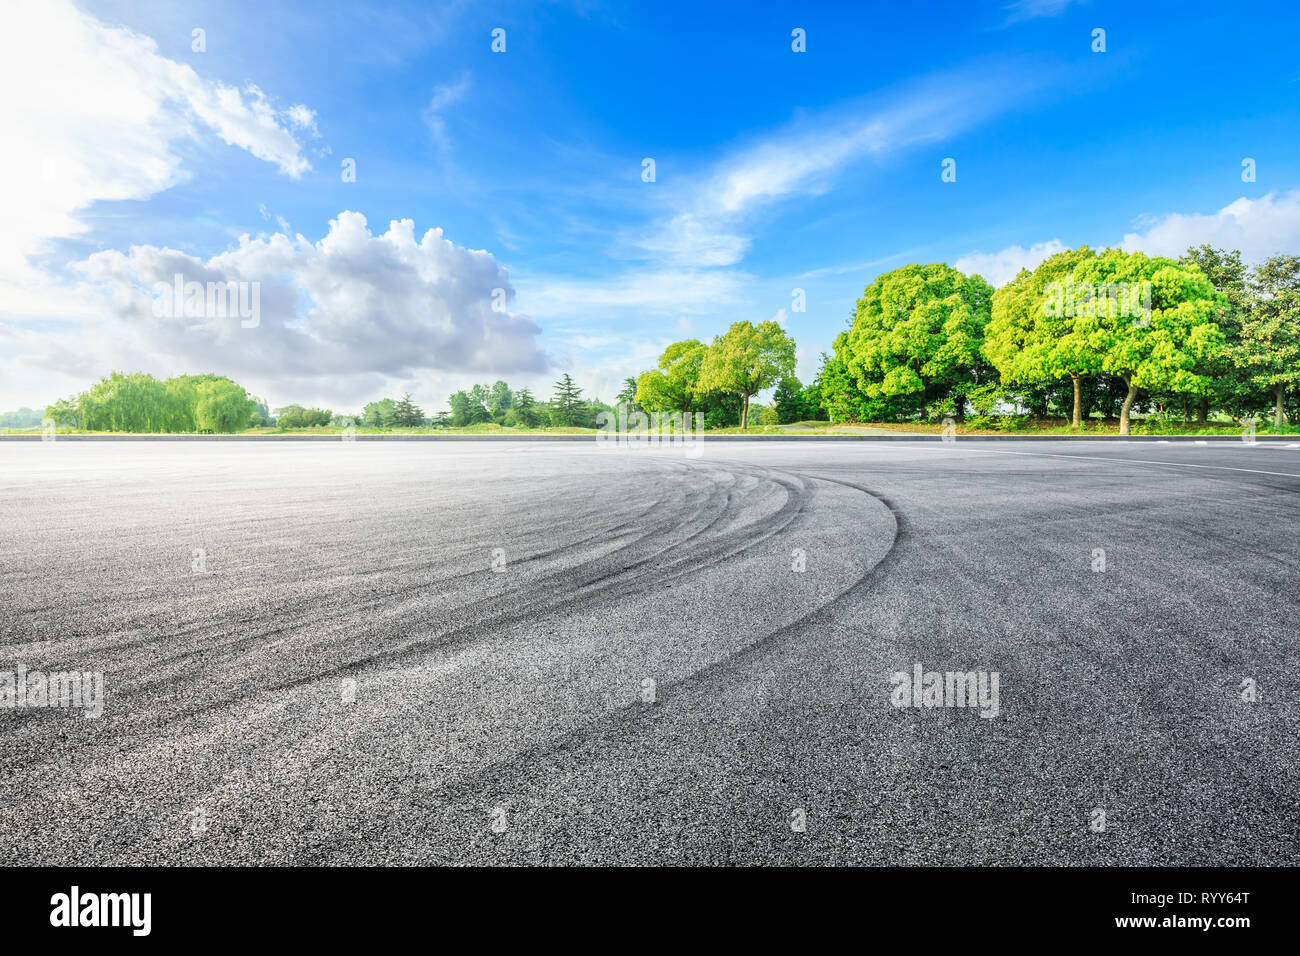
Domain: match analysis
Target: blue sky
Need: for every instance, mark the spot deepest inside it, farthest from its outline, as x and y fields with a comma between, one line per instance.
x=775, y=171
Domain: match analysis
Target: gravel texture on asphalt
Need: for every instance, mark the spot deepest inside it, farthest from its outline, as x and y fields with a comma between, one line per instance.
x=443, y=653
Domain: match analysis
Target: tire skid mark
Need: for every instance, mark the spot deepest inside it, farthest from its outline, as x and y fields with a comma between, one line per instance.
x=631, y=718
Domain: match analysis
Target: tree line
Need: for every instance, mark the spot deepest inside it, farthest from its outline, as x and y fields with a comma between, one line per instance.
x=140, y=403
x=1085, y=333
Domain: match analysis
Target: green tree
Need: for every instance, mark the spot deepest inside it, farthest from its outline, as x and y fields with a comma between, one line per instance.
x=295, y=416
x=790, y=402
x=1269, y=352
x=480, y=398
x=461, y=412
x=406, y=414
x=916, y=336
x=222, y=407
x=1228, y=275
x=674, y=385
x=23, y=418
x=1173, y=347
x=1032, y=338
x=841, y=398
x=565, y=403
x=527, y=411
x=627, y=396
x=499, y=400
x=63, y=412
x=380, y=414
x=746, y=360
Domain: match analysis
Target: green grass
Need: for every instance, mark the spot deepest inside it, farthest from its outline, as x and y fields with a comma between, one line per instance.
x=1019, y=427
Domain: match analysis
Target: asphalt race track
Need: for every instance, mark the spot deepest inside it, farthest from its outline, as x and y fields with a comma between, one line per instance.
x=479, y=653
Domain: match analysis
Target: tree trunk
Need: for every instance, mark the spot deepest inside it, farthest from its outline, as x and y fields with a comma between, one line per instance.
x=1203, y=410
x=1277, y=406
x=744, y=412
x=1076, y=420
x=1128, y=404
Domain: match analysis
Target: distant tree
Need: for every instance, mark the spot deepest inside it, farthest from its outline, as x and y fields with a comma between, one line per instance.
x=841, y=397
x=1269, y=352
x=480, y=398
x=746, y=360
x=461, y=414
x=261, y=415
x=406, y=414
x=812, y=401
x=565, y=402
x=500, y=400
x=627, y=396
x=527, y=412
x=380, y=414
x=22, y=418
x=790, y=402
x=295, y=416
x=63, y=412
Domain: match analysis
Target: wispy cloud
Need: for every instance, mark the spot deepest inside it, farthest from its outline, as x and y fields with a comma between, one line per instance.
x=1023, y=10
x=445, y=95
x=711, y=222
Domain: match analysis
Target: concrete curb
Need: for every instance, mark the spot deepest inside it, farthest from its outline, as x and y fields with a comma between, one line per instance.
x=1181, y=439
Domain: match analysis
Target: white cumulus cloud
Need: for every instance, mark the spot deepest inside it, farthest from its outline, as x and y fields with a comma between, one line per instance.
x=98, y=112
x=1258, y=227
x=1001, y=267
x=352, y=303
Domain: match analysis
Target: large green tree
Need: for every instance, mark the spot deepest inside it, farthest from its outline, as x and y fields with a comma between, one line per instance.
x=673, y=386
x=1035, y=337
x=222, y=406
x=916, y=336
x=1174, y=345
x=746, y=360
x=1269, y=350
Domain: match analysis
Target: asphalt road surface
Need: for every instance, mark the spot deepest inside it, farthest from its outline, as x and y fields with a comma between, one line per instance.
x=478, y=653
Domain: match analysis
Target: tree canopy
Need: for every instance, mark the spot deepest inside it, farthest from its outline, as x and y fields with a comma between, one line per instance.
x=746, y=360
x=916, y=335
